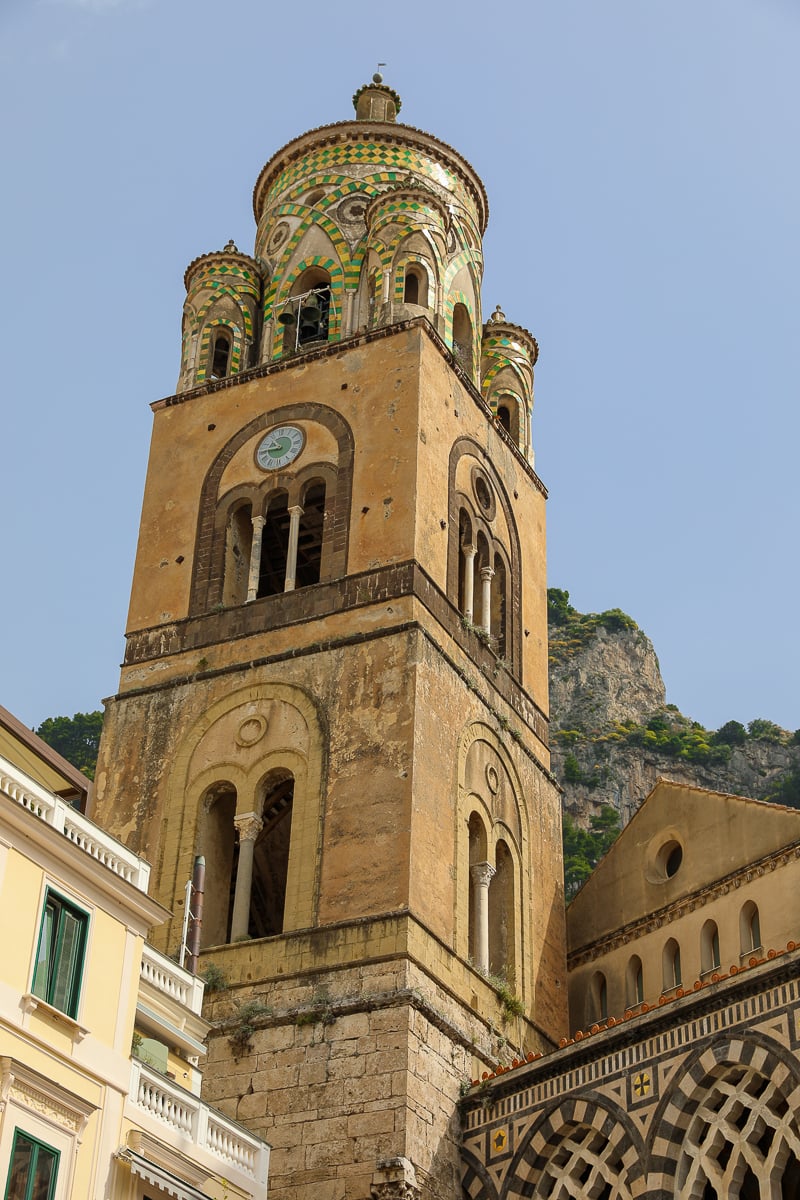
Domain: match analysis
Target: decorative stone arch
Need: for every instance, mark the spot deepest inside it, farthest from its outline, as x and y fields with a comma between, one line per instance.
x=455, y=300
x=309, y=218
x=281, y=293
x=207, y=578
x=237, y=742
x=705, y=1131
x=476, y=1182
x=204, y=355
x=489, y=787
x=515, y=583
x=581, y=1146
x=228, y=293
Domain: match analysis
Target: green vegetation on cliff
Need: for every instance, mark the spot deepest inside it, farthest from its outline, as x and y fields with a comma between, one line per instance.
x=583, y=848
x=570, y=630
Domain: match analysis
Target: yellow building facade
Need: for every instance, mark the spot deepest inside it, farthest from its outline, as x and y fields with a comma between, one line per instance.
x=79, y=1115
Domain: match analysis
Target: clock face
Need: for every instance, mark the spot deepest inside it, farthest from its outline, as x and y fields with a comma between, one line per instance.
x=280, y=447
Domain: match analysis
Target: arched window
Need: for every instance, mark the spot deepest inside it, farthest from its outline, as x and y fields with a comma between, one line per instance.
x=271, y=857
x=217, y=844
x=499, y=605
x=313, y=316
x=749, y=928
x=671, y=965
x=501, y=915
x=274, y=546
x=309, y=543
x=238, y=547
x=306, y=315
x=709, y=947
x=462, y=337
x=466, y=565
x=479, y=874
x=481, y=592
x=221, y=347
x=597, y=998
x=634, y=981
x=508, y=417
x=415, y=290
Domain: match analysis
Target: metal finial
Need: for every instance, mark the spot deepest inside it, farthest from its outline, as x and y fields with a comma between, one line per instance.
x=377, y=77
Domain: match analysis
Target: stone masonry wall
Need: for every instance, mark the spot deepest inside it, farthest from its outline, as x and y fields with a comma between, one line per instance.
x=345, y=1070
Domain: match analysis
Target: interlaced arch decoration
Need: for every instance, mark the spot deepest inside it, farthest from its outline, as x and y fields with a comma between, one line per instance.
x=732, y=1124
x=581, y=1150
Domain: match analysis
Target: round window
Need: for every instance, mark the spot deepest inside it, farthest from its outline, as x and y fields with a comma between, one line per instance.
x=669, y=859
x=483, y=493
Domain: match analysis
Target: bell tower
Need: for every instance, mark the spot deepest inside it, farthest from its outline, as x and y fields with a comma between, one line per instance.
x=335, y=680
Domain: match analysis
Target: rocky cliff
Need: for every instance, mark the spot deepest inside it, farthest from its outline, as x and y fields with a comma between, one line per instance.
x=613, y=733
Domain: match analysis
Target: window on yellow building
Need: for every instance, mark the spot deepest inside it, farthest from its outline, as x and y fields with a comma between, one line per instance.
x=59, y=956
x=33, y=1169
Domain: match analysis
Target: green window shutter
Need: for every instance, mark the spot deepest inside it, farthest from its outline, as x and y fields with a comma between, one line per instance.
x=44, y=953
x=60, y=954
x=67, y=967
x=34, y=1169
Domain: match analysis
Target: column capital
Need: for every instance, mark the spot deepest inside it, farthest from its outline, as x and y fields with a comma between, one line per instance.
x=248, y=826
x=259, y=520
x=487, y=574
x=395, y=1179
x=296, y=510
x=469, y=551
x=482, y=873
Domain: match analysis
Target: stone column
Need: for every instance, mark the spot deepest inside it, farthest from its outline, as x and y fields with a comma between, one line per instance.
x=469, y=553
x=255, y=558
x=487, y=574
x=295, y=513
x=248, y=826
x=482, y=875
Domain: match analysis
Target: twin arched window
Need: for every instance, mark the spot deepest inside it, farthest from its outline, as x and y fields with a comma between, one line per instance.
x=492, y=909
x=483, y=581
x=247, y=860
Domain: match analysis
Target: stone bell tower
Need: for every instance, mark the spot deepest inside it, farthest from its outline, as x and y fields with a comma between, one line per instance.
x=335, y=682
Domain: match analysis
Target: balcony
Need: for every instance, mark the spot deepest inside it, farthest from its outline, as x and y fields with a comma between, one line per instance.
x=171, y=981
x=187, y=1124
x=77, y=828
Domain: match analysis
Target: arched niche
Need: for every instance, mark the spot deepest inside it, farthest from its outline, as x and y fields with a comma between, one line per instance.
x=476, y=488
x=491, y=852
x=234, y=477
x=232, y=766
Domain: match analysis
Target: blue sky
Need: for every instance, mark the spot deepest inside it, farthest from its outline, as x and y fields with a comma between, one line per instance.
x=641, y=162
